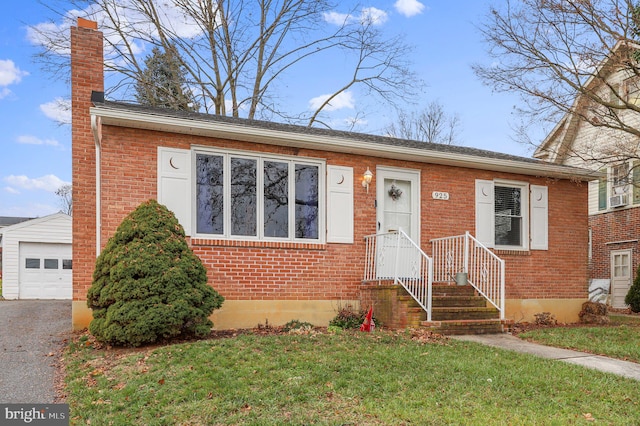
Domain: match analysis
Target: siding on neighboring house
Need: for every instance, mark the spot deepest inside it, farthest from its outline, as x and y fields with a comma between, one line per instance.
x=578, y=142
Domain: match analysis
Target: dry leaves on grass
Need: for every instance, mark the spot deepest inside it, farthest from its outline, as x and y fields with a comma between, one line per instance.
x=424, y=337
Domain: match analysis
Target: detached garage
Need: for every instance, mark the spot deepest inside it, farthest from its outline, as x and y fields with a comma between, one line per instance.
x=36, y=259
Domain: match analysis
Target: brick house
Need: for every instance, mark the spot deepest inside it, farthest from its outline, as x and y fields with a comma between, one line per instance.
x=294, y=222
x=585, y=139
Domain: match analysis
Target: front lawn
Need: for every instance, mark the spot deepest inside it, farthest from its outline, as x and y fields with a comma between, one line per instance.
x=620, y=339
x=354, y=378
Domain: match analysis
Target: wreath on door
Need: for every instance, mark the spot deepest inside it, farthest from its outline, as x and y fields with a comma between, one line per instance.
x=394, y=192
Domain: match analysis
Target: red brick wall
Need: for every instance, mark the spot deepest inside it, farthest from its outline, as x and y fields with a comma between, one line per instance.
x=616, y=230
x=268, y=271
x=86, y=76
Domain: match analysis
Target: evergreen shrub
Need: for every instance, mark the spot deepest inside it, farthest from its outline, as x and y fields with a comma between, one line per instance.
x=148, y=285
x=633, y=296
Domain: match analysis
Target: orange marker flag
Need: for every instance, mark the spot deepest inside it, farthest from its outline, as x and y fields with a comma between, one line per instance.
x=368, y=324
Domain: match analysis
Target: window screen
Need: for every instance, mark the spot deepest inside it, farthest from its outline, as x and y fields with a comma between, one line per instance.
x=508, y=206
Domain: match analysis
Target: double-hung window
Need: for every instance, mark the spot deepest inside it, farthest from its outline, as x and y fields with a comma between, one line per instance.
x=512, y=215
x=508, y=216
x=253, y=196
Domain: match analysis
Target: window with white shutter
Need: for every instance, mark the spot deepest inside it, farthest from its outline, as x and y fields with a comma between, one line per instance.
x=174, y=183
x=539, y=217
x=339, y=204
x=511, y=215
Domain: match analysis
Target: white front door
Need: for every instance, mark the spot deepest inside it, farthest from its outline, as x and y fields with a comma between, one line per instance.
x=398, y=202
x=620, y=277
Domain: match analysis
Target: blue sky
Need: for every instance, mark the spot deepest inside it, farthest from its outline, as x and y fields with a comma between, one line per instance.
x=35, y=158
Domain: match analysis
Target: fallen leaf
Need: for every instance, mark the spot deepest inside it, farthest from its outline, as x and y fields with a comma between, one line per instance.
x=161, y=382
x=588, y=417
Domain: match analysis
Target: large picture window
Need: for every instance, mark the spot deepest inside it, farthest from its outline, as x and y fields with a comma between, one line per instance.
x=258, y=197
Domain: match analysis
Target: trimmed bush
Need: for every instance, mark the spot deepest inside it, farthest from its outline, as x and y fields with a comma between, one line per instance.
x=633, y=296
x=148, y=285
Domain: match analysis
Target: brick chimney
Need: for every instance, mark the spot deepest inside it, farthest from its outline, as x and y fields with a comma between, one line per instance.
x=87, y=75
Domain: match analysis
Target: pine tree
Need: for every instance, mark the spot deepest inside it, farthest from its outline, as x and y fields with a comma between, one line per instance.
x=163, y=83
x=148, y=285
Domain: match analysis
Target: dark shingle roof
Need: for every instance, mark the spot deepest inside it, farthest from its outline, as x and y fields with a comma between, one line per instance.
x=11, y=220
x=291, y=128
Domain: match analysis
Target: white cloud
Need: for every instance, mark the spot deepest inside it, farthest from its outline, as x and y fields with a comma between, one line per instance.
x=33, y=140
x=136, y=25
x=58, y=110
x=409, y=8
x=11, y=190
x=374, y=16
x=10, y=73
x=367, y=15
x=342, y=100
x=48, y=183
x=336, y=18
x=51, y=35
x=4, y=92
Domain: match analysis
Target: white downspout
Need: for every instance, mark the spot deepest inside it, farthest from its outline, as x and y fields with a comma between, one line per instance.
x=96, y=129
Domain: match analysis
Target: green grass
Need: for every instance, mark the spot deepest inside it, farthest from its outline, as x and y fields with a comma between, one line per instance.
x=336, y=379
x=621, y=339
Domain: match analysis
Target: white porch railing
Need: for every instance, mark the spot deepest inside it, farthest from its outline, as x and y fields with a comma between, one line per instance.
x=394, y=256
x=465, y=254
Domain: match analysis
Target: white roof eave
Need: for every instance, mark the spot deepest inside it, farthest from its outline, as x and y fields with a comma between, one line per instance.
x=122, y=118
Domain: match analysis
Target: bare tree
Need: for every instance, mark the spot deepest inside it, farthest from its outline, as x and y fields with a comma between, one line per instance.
x=432, y=124
x=66, y=198
x=236, y=52
x=559, y=55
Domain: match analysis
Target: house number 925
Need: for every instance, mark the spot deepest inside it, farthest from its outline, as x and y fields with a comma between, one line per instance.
x=437, y=195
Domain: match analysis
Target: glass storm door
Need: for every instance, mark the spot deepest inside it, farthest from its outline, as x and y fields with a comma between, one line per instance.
x=620, y=277
x=398, y=209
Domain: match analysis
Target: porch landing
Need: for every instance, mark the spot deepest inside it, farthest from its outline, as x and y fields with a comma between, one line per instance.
x=456, y=309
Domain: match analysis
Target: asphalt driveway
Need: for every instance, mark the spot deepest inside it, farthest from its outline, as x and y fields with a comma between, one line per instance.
x=32, y=333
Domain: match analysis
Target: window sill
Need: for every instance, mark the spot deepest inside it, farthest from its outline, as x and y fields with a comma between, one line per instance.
x=511, y=252
x=212, y=242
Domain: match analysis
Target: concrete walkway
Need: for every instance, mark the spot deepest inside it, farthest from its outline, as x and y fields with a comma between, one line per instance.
x=627, y=369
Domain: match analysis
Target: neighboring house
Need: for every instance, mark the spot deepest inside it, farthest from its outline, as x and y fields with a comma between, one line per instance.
x=36, y=259
x=585, y=138
x=280, y=214
x=4, y=222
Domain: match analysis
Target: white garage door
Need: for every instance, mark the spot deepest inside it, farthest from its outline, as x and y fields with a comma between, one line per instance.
x=45, y=271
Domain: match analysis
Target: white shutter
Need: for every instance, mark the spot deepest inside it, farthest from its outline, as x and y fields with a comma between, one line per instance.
x=485, y=212
x=339, y=204
x=539, y=217
x=174, y=183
